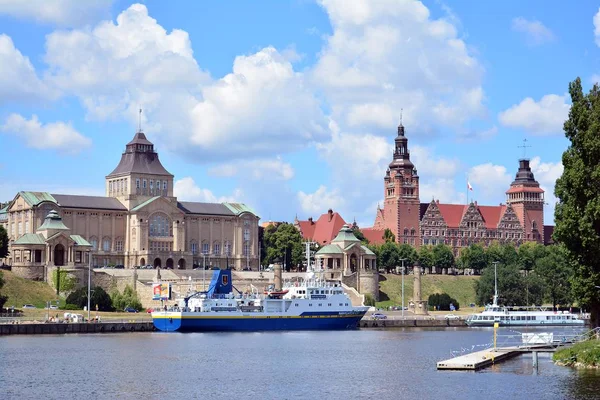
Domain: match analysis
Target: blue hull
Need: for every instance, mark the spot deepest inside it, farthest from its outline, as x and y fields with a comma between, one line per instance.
x=251, y=324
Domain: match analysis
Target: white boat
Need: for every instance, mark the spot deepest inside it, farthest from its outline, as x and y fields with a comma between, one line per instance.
x=521, y=316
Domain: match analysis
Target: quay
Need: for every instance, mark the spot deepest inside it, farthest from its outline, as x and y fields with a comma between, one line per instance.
x=62, y=328
x=410, y=323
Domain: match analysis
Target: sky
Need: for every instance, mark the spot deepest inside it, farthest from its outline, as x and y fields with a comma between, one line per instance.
x=292, y=106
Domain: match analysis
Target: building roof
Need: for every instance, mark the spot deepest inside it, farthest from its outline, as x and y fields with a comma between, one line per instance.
x=190, y=207
x=345, y=235
x=35, y=198
x=239, y=208
x=374, y=236
x=528, y=189
x=140, y=138
x=30, y=238
x=4, y=213
x=80, y=241
x=88, y=202
x=145, y=203
x=452, y=213
x=491, y=215
x=325, y=229
x=367, y=250
x=330, y=249
x=53, y=221
x=139, y=163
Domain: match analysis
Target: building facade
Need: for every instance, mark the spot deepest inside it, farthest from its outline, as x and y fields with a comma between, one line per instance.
x=518, y=220
x=138, y=222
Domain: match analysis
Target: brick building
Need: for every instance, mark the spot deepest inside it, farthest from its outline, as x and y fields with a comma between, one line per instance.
x=520, y=219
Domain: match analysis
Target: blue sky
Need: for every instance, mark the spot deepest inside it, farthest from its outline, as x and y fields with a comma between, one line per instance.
x=291, y=106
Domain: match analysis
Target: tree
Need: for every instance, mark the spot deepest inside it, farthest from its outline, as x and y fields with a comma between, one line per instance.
x=426, y=258
x=67, y=281
x=3, y=242
x=388, y=236
x=409, y=254
x=360, y=236
x=98, y=298
x=285, y=243
x=528, y=253
x=511, y=286
x=443, y=256
x=555, y=269
x=577, y=214
x=2, y=298
x=389, y=256
x=473, y=257
x=129, y=298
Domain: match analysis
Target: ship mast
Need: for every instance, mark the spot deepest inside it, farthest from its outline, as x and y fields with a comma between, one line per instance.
x=495, y=302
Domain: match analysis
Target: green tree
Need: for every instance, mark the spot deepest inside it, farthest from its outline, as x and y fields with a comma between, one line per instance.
x=360, y=236
x=3, y=242
x=473, y=257
x=2, y=298
x=528, y=253
x=511, y=286
x=129, y=298
x=99, y=297
x=426, y=256
x=443, y=256
x=388, y=236
x=577, y=214
x=285, y=243
x=67, y=281
x=389, y=256
x=409, y=254
x=555, y=269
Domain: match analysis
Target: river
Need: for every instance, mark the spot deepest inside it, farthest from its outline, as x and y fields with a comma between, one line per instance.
x=367, y=363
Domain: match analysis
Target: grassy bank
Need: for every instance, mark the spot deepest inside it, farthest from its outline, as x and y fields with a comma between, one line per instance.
x=580, y=355
x=462, y=288
x=24, y=291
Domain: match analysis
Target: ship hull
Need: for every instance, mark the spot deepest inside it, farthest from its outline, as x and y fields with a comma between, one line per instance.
x=526, y=323
x=195, y=322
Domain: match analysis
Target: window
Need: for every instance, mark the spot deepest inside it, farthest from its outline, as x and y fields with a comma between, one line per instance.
x=246, y=248
x=205, y=248
x=119, y=244
x=106, y=244
x=246, y=234
x=144, y=184
x=12, y=229
x=227, y=247
x=194, y=247
x=20, y=230
x=151, y=186
x=78, y=256
x=165, y=186
x=160, y=225
x=110, y=187
x=94, y=243
x=217, y=248
x=137, y=183
x=26, y=226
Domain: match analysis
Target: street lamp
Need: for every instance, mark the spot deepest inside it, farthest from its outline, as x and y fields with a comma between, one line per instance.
x=402, y=259
x=89, y=282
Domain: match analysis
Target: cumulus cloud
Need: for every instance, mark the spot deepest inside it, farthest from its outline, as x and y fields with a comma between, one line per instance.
x=55, y=135
x=320, y=201
x=545, y=117
x=489, y=181
x=259, y=170
x=431, y=165
x=597, y=27
x=18, y=79
x=546, y=173
x=390, y=54
x=186, y=189
x=535, y=32
x=60, y=12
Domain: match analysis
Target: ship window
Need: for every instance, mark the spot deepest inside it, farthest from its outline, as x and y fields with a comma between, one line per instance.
x=320, y=305
x=346, y=303
x=310, y=304
x=341, y=304
x=296, y=304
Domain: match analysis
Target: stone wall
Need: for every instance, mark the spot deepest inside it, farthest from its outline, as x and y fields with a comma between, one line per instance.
x=369, y=283
x=34, y=273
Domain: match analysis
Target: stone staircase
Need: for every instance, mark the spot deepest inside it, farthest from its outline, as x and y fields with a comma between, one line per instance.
x=356, y=298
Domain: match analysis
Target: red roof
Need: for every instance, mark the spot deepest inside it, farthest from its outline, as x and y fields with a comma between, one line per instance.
x=529, y=189
x=374, y=236
x=491, y=215
x=452, y=213
x=324, y=230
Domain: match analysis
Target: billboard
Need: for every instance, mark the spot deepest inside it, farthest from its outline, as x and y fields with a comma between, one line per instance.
x=161, y=291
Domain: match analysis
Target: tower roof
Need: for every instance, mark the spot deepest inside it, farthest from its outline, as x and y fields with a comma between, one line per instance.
x=524, y=174
x=401, y=153
x=139, y=158
x=53, y=221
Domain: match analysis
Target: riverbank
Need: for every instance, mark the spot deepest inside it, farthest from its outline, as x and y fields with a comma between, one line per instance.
x=581, y=355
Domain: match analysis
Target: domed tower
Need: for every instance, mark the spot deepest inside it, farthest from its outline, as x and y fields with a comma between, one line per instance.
x=527, y=200
x=139, y=175
x=401, y=194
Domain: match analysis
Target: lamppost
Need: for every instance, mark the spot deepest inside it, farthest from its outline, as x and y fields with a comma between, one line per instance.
x=402, y=259
x=495, y=302
x=89, y=282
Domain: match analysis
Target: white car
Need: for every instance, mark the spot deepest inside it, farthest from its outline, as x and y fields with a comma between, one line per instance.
x=28, y=306
x=451, y=316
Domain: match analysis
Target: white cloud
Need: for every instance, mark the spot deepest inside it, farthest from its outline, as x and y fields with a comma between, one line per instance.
x=18, y=79
x=547, y=174
x=60, y=12
x=597, y=27
x=545, y=117
x=263, y=106
x=186, y=189
x=536, y=33
x=484, y=134
x=389, y=54
x=9, y=189
x=322, y=199
x=259, y=170
x=488, y=181
x=442, y=189
x=55, y=135
x=428, y=164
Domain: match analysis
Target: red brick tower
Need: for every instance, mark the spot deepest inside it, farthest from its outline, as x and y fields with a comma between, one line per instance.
x=527, y=199
x=401, y=194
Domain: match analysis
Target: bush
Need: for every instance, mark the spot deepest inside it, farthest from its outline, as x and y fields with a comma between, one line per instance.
x=99, y=298
x=369, y=300
x=128, y=298
x=442, y=301
x=71, y=307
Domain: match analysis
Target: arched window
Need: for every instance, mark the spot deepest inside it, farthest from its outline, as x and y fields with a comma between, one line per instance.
x=405, y=231
x=227, y=248
x=119, y=244
x=534, y=225
x=412, y=232
x=194, y=247
x=160, y=225
x=205, y=247
x=94, y=243
x=216, y=248
x=106, y=244
x=246, y=250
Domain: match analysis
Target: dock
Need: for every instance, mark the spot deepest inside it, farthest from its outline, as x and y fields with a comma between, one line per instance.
x=63, y=328
x=478, y=360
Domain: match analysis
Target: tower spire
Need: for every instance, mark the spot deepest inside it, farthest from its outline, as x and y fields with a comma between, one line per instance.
x=524, y=146
x=140, y=121
x=401, y=116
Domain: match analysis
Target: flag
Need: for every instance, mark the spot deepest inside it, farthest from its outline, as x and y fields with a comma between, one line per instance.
x=469, y=186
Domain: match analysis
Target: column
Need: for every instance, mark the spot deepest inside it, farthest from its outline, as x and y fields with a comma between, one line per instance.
x=112, y=232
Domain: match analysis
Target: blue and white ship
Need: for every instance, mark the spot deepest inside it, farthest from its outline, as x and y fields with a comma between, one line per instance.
x=308, y=304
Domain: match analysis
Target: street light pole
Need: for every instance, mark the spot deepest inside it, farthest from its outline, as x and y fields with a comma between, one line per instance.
x=402, y=259
x=89, y=282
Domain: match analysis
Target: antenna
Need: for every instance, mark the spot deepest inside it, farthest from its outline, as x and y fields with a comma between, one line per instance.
x=140, y=121
x=401, y=110
x=524, y=146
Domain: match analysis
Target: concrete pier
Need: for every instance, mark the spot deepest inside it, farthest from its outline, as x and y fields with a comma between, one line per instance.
x=477, y=360
x=61, y=328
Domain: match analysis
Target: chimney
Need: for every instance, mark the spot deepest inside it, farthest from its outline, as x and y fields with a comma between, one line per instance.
x=475, y=203
x=330, y=212
x=310, y=220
